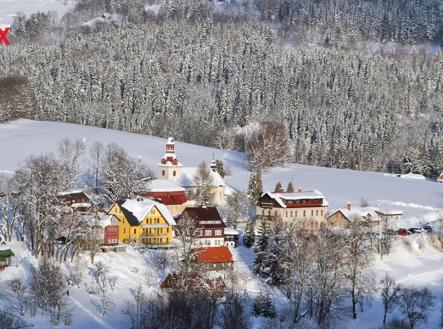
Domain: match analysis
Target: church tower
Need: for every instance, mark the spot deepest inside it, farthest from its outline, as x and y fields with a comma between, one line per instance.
x=169, y=167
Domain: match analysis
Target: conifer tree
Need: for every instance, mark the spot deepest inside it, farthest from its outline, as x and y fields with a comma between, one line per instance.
x=263, y=305
x=249, y=236
x=255, y=187
x=278, y=188
x=261, y=250
x=220, y=168
x=290, y=188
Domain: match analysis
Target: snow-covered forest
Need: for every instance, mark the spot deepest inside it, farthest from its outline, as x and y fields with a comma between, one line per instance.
x=356, y=84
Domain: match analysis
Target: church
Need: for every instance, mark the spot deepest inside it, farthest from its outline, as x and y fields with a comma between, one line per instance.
x=172, y=170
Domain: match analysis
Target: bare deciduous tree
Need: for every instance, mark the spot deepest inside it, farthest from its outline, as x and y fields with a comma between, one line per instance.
x=358, y=258
x=268, y=146
x=415, y=304
x=389, y=292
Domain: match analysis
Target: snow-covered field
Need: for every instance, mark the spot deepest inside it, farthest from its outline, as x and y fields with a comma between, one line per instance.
x=9, y=8
x=416, y=197
x=413, y=263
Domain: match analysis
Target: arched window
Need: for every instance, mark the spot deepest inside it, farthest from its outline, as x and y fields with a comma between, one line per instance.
x=173, y=173
x=163, y=172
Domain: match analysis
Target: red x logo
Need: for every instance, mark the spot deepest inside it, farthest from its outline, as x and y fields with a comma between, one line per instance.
x=3, y=38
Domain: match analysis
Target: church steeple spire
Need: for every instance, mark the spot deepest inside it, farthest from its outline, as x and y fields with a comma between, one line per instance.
x=169, y=167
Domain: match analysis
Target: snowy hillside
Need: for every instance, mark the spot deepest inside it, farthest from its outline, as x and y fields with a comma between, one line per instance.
x=414, y=260
x=417, y=198
x=9, y=8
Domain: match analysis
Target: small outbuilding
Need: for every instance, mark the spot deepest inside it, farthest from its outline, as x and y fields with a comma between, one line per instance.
x=5, y=258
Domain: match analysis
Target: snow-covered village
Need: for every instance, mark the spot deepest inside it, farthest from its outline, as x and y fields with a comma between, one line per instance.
x=200, y=164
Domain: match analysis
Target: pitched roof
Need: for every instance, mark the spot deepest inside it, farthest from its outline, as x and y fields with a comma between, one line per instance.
x=213, y=255
x=231, y=231
x=202, y=214
x=358, y=213
x=140, y=208
x=305, y=195
x=163, y=185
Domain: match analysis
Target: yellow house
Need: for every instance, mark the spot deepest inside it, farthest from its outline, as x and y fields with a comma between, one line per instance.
x=144, y=221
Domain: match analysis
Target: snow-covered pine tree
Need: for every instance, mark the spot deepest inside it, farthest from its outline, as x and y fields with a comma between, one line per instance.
x=290, y=188
x=255, y=187
x=261, y=250
x=249, y=236
x=263, y=305
x=251, y=187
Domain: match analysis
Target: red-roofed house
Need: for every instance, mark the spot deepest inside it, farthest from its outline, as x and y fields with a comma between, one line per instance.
x=214, y=259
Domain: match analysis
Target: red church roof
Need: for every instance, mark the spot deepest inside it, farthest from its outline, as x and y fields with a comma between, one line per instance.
x=213, y=255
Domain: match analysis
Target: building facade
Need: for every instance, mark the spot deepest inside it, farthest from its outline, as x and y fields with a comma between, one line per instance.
x=344, y=217
x=209, y=227
x=306, y=210
x=144, y=221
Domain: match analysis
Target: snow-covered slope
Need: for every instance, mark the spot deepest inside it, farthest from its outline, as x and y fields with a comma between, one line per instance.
x=9, y=8
x=22, y=138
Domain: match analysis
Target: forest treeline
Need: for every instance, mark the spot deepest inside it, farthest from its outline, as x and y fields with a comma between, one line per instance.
x=209, y=77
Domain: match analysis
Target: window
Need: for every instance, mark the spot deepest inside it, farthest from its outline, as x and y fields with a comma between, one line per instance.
x=291, y=213
x=262, y=211
x=316, y=213
x=163, y=172
x=312, y=213
x=304, y=213
x=208, y=232
x=135, y=231
x=286, y=213
x=296, y=213
x=218, y=232
x=322, y=212
x=173, y=173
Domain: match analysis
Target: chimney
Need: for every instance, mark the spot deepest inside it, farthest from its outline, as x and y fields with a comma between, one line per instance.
x=349, y=206
x=300, y=190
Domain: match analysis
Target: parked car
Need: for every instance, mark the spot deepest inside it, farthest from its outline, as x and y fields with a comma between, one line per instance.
x=427, y=228
x=416, y=230
x=403, y=232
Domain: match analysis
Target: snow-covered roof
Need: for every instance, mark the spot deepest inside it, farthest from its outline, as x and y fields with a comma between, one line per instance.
x=389, y=212
x=81, y=205
x=105, y=220
x=188, y=174
x=141, y=207
x=304, y=195
x=231, y=231
x=70, y=192
x=357, y=213
x=163, y=185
